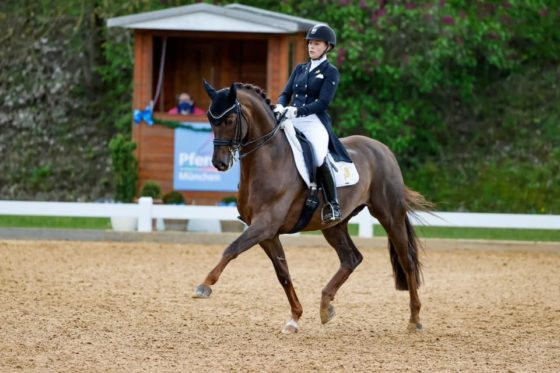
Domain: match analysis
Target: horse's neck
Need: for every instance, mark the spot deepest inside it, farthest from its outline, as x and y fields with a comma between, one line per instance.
x=270, y=157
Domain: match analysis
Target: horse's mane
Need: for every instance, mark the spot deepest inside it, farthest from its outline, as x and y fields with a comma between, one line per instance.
x=261, y=93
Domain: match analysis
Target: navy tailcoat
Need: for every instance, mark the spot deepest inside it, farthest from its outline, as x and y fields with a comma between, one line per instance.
x=311, y=92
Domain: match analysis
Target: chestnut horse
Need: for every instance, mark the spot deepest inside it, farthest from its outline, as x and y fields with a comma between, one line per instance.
x=272, y=194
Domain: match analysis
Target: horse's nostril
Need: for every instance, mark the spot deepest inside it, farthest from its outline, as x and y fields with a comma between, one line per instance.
x=220, y=165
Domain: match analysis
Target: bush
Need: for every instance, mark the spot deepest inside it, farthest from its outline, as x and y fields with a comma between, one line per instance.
x=151, y=189
x=173, y=198
x=125, y=168
x=228, y=201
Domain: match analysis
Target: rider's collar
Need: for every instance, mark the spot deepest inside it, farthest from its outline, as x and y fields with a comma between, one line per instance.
x=315, y=63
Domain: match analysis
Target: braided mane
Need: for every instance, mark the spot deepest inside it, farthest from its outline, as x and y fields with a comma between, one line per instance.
x=258, y=90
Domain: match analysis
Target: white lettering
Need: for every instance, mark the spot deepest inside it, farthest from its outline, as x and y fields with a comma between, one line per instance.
x=188, y=176
x=193, y=159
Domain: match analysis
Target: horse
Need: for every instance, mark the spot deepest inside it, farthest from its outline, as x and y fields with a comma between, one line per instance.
x=272, y=194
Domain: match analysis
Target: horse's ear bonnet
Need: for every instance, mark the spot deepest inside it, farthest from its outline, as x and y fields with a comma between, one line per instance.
x=223, y=103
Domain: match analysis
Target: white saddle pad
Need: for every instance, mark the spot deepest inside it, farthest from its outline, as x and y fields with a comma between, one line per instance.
x=344, y=173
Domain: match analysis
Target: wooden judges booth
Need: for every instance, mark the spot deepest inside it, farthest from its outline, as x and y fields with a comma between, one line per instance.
x=235, y=43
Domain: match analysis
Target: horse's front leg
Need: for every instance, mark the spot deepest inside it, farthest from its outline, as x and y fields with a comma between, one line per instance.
x=252, y=236
x=273, y=248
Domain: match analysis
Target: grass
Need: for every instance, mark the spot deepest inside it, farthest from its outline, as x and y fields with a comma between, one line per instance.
x=475, y=233
x=425, y=232
x=9, y=221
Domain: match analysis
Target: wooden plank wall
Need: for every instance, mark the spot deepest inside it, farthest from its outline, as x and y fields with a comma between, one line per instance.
x=221, y=62
x=260, y=60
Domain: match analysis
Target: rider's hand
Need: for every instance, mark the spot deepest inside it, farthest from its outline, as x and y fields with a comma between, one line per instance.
x=278, y=111
x=291, y=112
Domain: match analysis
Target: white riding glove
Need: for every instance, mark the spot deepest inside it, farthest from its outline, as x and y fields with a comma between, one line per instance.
x=291, y=112
x=278, y=109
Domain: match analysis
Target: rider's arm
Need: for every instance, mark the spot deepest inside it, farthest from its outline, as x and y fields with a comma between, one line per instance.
x=286, y=95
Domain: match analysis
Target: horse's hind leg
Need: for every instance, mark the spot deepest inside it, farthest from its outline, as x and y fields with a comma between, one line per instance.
x=273, y=248
x=403, y=249
x=349, y=257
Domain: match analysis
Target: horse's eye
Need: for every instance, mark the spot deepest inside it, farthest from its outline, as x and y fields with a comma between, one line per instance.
x=229, y=121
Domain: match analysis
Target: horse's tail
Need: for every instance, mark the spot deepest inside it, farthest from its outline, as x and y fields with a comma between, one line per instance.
x=415, y=201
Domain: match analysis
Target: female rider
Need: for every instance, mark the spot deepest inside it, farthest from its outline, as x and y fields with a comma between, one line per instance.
x=310, y=90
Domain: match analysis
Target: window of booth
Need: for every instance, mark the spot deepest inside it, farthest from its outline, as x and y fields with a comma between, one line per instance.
x=221, y=61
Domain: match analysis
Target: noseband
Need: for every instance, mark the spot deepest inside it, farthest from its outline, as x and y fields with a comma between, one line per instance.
x=236, y=143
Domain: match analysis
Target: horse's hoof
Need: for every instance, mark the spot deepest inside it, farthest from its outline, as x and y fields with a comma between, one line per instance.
x=291, y=327
x=327, y=314
x=202, y=291
x=415, y=327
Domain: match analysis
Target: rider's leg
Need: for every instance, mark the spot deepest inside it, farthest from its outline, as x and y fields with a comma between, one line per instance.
x=317, y=135
x=331, y=211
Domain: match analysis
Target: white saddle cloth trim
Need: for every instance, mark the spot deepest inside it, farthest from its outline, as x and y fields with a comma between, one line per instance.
x=344, y=173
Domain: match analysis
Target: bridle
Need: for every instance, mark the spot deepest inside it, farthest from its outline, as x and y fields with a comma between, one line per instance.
x=236, y=143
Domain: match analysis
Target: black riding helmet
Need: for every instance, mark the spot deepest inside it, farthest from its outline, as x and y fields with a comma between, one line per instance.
x=322, y=32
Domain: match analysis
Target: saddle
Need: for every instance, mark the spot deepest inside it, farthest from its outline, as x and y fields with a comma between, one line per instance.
x=344, y=173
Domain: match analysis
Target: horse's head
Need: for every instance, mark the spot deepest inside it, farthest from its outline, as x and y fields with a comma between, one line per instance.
x=225, y=118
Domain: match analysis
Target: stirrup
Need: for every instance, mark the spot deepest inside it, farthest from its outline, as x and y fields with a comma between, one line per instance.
x=332, y=213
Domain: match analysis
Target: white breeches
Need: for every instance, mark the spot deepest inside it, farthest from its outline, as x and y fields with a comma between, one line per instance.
x=316, y=133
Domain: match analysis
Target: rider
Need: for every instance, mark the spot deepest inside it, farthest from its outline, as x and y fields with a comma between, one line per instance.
x=310, y=89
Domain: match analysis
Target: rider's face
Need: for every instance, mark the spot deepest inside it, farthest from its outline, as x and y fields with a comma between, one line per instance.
x=316, y=48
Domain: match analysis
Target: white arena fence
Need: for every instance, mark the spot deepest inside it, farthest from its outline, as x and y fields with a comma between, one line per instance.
x=145, y=210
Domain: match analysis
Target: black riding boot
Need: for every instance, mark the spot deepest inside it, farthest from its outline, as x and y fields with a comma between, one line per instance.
x=331, y=210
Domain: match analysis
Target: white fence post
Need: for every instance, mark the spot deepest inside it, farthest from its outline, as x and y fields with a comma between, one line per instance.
x=145, y=205
x=365, y=224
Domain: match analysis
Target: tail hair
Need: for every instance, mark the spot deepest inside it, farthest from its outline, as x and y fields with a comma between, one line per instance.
x=415, y=202
x=413, y=248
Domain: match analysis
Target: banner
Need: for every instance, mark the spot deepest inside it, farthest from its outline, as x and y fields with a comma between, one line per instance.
x=193, y=169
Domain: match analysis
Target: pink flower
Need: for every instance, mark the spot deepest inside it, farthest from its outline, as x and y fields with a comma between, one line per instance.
x=410, y=6
x=344, y=2
x=507, y=20
x=447, y=20
x=506, y=4
x=442, y=3
x=363, y=4
x=378, y=13
x=341, y=56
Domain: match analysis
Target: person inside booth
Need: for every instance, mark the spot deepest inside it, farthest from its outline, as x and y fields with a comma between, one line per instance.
x=185, y=106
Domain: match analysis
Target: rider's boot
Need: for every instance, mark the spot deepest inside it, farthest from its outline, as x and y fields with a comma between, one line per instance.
x=331, y=210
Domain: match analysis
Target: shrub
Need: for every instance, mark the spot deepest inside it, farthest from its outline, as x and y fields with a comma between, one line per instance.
x=228, y=201
x=151, y=189
x=125, y=167
x=173, y=198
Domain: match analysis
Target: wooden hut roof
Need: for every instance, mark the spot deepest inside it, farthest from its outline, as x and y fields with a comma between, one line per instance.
x=213, y=18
